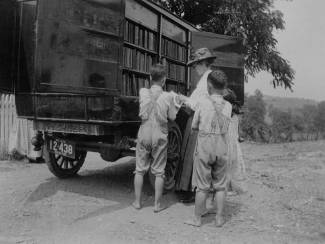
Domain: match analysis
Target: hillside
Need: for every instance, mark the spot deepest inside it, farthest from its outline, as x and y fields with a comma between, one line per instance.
x=285, y=103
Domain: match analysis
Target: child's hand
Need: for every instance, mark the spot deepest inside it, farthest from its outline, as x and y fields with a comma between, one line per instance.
x=182, y=98
x=177, y=99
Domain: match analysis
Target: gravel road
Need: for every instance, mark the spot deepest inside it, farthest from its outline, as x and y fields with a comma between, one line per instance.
x=285, y=203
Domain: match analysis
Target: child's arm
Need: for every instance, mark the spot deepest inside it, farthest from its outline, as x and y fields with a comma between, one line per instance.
x=183, y=99
x=175, y=103
x=178, y=99
x=196, y=119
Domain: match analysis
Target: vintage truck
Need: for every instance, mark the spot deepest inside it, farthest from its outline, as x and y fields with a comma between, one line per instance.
x=75, y=67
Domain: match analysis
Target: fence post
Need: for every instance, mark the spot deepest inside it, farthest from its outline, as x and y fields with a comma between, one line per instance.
x=7, y=126
x=7, y=122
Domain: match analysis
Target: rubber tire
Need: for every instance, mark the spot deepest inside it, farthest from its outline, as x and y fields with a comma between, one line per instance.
x=170, y=183
x=64, y=173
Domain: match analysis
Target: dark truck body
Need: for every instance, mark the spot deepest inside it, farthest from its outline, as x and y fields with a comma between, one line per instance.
x=75, y=65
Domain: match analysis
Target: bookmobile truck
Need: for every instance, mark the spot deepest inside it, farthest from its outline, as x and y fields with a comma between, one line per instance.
x=75, y=67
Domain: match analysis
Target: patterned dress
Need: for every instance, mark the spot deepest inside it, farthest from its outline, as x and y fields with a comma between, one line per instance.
x=236, y=160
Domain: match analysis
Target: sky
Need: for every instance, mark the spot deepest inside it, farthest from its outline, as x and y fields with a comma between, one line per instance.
x=303, y=44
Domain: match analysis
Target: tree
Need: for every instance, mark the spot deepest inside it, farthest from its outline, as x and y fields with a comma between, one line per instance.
x=253, y=20
x=282, y=125
x=253, y=125
x=308, y=113
x=320, y=118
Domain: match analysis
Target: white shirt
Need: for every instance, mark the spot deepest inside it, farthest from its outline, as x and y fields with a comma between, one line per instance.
x=167, y=107
x=200, y=91
x=205, y=113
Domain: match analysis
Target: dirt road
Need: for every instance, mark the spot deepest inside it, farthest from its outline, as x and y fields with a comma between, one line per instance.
x=285, y=203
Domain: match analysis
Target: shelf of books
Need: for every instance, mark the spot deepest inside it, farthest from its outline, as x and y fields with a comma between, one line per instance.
x=175, y=55
x=140, y=52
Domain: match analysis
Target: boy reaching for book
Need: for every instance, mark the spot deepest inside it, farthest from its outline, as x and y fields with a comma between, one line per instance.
x=156, y=107
x=211, y=119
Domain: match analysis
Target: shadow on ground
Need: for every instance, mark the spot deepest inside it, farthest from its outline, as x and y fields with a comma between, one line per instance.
x=113, y=183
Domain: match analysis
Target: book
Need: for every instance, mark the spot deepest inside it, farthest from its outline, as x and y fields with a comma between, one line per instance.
x=173, y=50
x=132, y=83
x=138, y=59
x=136, y=35
x=176, y=72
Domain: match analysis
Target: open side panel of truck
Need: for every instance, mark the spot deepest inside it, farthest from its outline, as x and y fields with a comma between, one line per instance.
x=230, y=59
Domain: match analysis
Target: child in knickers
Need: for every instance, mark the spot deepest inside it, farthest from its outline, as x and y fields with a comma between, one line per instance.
x=211, y=119
x=156, y=107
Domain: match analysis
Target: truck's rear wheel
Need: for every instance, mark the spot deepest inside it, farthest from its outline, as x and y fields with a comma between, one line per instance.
x=173, y=157
x=64, y=167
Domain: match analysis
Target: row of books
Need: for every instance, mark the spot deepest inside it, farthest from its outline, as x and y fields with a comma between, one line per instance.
x=132, y=83
x=140, y=36
x=176, y=72
x=137, y=60
x=141, y=61
x=173, y=50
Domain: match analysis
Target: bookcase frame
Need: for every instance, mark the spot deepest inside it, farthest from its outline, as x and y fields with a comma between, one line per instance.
x=178, y=85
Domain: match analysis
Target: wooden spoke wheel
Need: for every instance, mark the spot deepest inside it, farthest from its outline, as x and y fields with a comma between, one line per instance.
x=173, y=157
x=64, y=167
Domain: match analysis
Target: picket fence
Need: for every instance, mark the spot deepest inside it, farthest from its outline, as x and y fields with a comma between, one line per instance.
x=8, y=119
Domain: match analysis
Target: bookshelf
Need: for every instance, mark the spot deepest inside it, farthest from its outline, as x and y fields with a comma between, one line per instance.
x=173, y=50
x=175, y=55
x=132, y=82
x=143, y=47
x=139, y=54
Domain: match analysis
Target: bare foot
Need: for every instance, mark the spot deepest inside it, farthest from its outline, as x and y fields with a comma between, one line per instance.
x=220, y=221
x=136, y=205
x=159, y=208
x=194, y=222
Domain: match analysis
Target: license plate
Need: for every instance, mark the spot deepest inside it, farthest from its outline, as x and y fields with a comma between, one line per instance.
x=62, y=147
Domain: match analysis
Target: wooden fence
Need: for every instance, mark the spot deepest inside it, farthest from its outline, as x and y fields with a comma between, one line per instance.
x=8, y=119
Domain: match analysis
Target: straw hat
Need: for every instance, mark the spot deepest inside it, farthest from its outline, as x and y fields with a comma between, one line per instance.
x=201, y=54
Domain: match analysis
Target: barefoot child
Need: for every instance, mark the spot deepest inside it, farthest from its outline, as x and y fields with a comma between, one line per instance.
x=211, y=119
x=237, y=169
x=156, y=107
